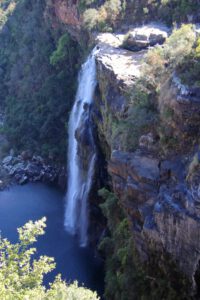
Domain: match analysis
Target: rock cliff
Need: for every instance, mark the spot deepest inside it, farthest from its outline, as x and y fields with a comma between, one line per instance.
x=65, y=13
x=154, y=186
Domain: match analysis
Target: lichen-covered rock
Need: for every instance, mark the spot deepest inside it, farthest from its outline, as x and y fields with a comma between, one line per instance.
x=23, y=169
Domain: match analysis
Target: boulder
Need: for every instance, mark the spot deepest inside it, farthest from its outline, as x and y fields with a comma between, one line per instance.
x=17, y=169
x=145, y=36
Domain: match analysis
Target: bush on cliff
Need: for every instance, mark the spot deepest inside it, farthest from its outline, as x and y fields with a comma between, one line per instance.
x=122, y=274
x=104, y=17
x=189, y=70
x=21, y=275
x=162, y=60
x=140, y=117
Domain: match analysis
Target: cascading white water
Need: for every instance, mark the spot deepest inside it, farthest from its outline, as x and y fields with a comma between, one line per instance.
x=79, y=183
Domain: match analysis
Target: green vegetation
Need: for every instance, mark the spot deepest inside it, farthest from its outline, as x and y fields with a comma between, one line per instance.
x=104, y=17
x=145, y=113
x=189, y=70
x=163, y=60
x=122, y=275
x=38, y=70
x=179, y=54
x=113, y=13
x=141, y=117
x=21, y=275
x=127, y=278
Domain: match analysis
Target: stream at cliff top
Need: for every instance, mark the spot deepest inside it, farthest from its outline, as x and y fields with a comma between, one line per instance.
x=20, y=204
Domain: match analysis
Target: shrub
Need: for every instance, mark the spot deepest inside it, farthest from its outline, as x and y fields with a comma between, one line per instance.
x=161, y=61
x=179, y=45
x=141, y=117
x=21, y=275
x=189, y=69
x=103, y=18
x=90, y=18
x=60, y=54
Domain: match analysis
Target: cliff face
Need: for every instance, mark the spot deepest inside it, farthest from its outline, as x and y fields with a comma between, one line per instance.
x=156, y=188
x=64, y=12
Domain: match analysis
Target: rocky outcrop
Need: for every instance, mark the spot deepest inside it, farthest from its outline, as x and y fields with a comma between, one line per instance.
x=25, y=168
x=163, y=209
x=66, y=13
x=179, y=107
x=117, y=64
x=145, y=36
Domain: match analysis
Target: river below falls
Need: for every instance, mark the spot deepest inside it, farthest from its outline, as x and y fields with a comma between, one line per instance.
x=19, y=204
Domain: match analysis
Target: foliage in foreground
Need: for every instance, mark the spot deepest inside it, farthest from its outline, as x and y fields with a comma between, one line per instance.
x=21, y=275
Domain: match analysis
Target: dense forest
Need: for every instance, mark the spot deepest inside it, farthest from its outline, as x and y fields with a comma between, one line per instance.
x=37, y=91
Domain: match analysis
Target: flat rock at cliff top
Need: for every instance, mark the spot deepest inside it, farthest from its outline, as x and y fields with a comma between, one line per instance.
x=123, y=64
x=111, y=39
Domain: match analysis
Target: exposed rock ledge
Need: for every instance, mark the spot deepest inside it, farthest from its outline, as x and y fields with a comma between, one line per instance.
x=125, y=65
x=25, y=168
x=121, y=65
x=164, y=211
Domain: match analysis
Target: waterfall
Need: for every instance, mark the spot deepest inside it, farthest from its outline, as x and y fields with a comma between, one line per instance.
x=79, y=181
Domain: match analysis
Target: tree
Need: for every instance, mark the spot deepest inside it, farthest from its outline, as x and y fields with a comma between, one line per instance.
x=21, y=275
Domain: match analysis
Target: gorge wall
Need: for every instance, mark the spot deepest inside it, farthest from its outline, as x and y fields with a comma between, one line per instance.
x=155, y=178
x=146, y=123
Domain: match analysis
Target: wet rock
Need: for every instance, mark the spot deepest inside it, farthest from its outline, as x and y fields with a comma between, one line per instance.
x=1, y=185
x=23, y=179
x=17, y=169
x=62, y=179
x=38, y=159
x=32, y=170
x=7, y=160
x=23, y=169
